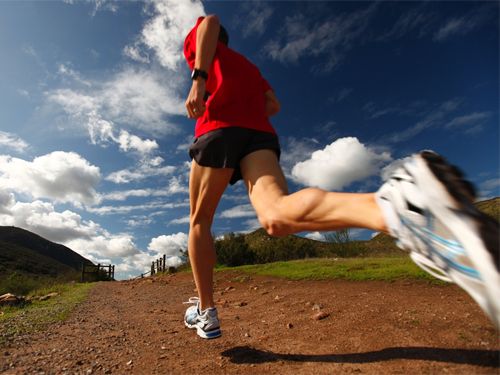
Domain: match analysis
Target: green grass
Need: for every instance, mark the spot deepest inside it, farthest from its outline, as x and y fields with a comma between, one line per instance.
x=38, y=315
x=356, y=269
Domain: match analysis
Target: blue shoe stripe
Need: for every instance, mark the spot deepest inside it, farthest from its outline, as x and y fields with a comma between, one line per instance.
x=452, y=248
x=213, y=334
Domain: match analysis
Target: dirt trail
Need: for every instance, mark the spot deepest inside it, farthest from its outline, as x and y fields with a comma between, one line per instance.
x=135, y=327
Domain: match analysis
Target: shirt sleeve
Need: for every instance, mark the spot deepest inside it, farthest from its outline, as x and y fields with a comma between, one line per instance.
x=190, y=44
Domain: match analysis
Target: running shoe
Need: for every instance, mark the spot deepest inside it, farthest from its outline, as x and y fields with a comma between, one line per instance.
x=428, y=206
x=205, y=322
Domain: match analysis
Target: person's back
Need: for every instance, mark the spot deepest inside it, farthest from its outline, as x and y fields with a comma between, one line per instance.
x=236, y=90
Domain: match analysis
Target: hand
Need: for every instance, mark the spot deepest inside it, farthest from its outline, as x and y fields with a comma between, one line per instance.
x=195, y=105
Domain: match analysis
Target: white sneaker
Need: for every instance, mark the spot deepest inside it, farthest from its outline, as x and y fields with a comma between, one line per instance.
x=429, y=209
x=206, y=322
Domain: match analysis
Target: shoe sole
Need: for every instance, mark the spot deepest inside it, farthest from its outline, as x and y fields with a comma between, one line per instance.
x=206, y=335
x=444, y=197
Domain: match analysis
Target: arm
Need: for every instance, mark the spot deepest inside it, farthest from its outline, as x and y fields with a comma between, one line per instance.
x=273, y=106
x=206, y=42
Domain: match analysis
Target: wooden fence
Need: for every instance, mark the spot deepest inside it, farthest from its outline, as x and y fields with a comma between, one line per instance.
x=99, y=272
x=158, y=265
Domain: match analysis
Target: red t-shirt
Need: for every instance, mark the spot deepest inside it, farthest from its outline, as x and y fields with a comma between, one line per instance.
x=236, y=89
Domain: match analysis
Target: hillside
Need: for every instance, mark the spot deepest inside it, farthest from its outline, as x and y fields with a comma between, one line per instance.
x=259, y=247
x=24, y=252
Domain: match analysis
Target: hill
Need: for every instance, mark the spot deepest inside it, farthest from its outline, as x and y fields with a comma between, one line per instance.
x=259, y=247
x=24, y=252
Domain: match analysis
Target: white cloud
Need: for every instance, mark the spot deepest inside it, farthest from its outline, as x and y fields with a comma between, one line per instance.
x=102, y=132
x=433, y=118
x=468, y=122
x=339, y=164
x=244, y=210
x=254, y=19
x=85, y=237
x=488, y=188
x=7, y=200
x=113, y=210
x=317, y=236
x=143, y=171
x=463, y=24
x=61, y=176
x=330, y=38
x=181, y=220
x=415, y=20
x=140, y=99
x=294, y=151
x=164, y=33
x=67, y=71
x=177, y=185
x=135, y=54
x=170, y=245
x=13, y=142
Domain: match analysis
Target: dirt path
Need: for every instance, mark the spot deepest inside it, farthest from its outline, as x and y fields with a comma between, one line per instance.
x=135, y=327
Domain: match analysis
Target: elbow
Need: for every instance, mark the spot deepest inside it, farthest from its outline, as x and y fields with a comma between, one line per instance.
x=273, y=108
x=212, y=20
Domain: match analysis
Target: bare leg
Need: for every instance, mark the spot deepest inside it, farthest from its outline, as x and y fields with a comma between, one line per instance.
x=206, y=186
x=309, y=209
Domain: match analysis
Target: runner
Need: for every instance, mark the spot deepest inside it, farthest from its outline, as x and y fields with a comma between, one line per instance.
x=426, y=204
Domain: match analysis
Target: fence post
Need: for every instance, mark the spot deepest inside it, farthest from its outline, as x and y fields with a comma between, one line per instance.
x=113, y=271
x=83, y=272
x=164, y=262
x=152, y=268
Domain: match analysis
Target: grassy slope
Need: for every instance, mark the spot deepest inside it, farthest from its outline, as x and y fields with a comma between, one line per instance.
x=354, y=269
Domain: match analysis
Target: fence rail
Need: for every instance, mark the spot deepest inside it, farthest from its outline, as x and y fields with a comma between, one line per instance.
x=99, y=272
x=158, y=265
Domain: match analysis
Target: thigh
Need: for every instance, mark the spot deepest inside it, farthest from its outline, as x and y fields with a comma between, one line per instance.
x=206, y=186
x=263, y=178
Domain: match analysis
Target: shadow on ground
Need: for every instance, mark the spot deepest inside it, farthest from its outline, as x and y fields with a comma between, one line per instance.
x=485, y=358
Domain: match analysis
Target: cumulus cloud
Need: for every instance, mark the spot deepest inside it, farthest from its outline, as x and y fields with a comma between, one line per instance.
x=170, y=245
x=164, y=32
x=61, y=176
x=12, y=141
x=339, y=164
x=134, y=98
x=294, y=151
x=83, y=236
x=317, y=236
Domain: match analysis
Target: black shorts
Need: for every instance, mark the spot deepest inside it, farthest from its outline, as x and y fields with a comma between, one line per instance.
x=225, y=147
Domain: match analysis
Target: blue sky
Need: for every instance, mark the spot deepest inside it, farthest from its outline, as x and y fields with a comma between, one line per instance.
x=94, y=135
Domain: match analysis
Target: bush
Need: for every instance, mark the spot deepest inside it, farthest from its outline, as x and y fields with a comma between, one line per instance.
x=232, y=250
x=18, y=283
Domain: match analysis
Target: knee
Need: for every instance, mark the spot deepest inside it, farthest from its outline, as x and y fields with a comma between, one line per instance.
x=200, y=219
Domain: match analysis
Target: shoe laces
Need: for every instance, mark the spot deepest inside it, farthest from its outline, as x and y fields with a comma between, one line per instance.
x=192, y=301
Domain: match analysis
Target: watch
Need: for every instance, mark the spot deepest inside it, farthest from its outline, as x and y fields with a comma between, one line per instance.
x=199, y=73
